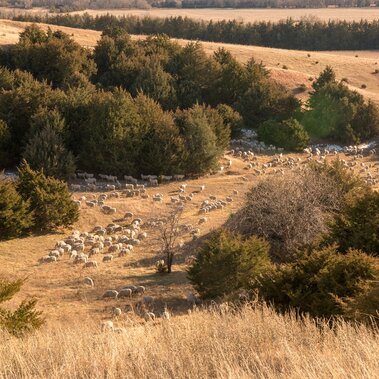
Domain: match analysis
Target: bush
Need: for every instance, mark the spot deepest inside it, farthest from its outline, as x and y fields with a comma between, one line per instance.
x=358, y=224
x=288, y=134
x=15, y=215
x=24, y=318
x=321, y=282
x=227, y=262
x=49, y=198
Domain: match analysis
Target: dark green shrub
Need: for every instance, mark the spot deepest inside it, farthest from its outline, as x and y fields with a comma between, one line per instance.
x=288, y=134
x=321, y=282
x=15, y=215
x=357, y=226
x=227, y=263
x=49, y=198
x=25, y=318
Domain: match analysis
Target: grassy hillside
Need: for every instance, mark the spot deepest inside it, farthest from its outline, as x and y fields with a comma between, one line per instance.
x=254, y=343
x=357, y=67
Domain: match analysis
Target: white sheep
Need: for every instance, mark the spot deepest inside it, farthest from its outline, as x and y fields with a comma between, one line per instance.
x=140, y=289
x=148, y=300
x=116, y=312
x=90, y=264
x=125, y=292
x=88, y=281
x=108, y=258
x=110, y=294
x=149, y=316
x=107, y=326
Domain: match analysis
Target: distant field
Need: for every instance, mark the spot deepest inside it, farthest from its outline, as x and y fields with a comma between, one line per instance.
x=245, y=15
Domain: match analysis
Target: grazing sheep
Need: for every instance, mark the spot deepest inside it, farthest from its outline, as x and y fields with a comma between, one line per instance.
x=131, y=287
x=148, y=300
x=128, y=215
x=140, y=290
x=107, y=326
x=90, y=264
x=108, y=258
x=116, y=312
x=149, y=316
x=110, y=294
x=125, y=292
x=48, y=259
x=203, y=220
x=124, y=251
x=88, y=281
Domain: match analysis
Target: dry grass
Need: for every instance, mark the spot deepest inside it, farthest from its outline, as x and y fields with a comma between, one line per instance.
x=245, y=15
x=358, y=70
x=253, y=343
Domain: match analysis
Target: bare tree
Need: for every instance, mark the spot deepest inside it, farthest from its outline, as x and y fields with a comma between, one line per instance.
x=289, y=211
x=170, y=233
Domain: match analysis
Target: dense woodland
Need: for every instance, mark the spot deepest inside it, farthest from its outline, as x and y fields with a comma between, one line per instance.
x=72, y=5
x=152, y=106
x=307, y=34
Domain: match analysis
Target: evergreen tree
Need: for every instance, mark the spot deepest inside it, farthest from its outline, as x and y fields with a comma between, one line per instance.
x=49, y=198
x=46, y=151
x=15, y=215
x=25, y=318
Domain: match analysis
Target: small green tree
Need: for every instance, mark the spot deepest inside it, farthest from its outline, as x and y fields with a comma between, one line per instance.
x=15, y=215
x=328, y=76
x=46, y=151
x=357, y=226
x=288, y=134
x=49, y=198
x=227, y=263
x=22, y=320
x=320, y=282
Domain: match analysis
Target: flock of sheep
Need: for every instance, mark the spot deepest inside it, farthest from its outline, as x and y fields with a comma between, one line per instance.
x=118, y=239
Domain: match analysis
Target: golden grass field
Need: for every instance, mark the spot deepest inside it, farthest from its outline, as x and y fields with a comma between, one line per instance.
x=357, y=67
x=245, y=15
x=255, y=342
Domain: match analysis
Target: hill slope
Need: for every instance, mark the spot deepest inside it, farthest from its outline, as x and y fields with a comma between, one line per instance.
x=357, y=67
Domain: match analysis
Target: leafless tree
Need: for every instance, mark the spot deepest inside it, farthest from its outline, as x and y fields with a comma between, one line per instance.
x=170, y=233
x=289, y=211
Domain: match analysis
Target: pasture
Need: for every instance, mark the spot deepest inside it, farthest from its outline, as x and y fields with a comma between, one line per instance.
x=59, y=286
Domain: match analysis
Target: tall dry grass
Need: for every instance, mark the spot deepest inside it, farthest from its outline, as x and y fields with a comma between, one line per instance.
x=253, y=343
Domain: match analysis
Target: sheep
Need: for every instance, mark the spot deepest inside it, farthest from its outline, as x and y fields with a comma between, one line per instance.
x=114, y=248
x=107, y=326
x=108, y=258
x=131, y=287
x=148, y=300
x=149, y=316
x=89, y=281
x=125, y=292
x=48, y=259
x=140, y=289
x=54, y=253
x=203, y=220
x=75, y=187
x=142, y=236
x=90, y=264
x=153, y=182
x=178, y=177
x=128, y=215
x=116, y=312
x=110, y=294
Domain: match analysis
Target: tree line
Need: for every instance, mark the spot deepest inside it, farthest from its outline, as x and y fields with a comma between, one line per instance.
x=306, y=34
x=75, y=5
x=151, y=106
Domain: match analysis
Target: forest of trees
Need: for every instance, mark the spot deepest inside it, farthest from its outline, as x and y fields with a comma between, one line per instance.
x=306, y=34
x=151, y=106
x=72, y=5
